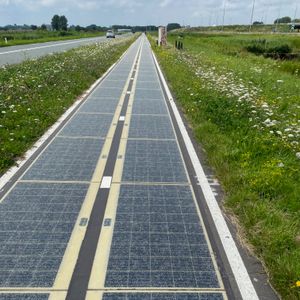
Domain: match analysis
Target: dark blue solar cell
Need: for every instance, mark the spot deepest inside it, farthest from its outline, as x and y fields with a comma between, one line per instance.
x=161, y=263
x=114, y=297
x=118, y=264
x=139, y=263
x=116, y=279
x=162, y=279
x=139, y=279
x=184, y=279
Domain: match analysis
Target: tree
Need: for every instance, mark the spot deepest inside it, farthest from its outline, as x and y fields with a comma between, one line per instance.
x=44, y=27
x=283, y=20
x=33, y=27
x=59, y=23
x=55, y=22
x=172, y=26
x=63, y=23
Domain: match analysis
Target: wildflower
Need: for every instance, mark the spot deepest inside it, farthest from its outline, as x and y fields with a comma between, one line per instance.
x=279, y=81
x=279, y=132
x=298, y=155
x=3, y=112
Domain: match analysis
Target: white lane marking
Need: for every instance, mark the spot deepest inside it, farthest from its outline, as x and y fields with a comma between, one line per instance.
x=122, y=118
x=239, y=270
x=48, y=46
x=106, y=182
x=128, y=93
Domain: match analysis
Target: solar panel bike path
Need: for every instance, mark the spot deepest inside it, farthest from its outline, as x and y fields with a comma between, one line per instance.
x=44, y=216
x=108, y=209
x=153, y=244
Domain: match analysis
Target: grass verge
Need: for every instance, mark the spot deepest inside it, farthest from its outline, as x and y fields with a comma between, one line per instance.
x=245, y=112
x=34, y=94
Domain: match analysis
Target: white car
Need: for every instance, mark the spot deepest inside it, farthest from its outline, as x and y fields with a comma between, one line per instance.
x=110, y=34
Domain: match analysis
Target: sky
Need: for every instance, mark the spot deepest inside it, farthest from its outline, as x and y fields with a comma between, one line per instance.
x=145, y=12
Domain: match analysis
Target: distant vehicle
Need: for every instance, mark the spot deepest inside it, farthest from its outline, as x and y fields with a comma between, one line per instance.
x=110, y=34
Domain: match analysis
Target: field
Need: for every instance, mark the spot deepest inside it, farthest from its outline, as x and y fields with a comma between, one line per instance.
x=265, y=28
x=40, y=36
x=34, y=94
x=244, y=109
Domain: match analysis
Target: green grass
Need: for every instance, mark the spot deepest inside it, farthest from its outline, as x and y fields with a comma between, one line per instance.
x=34, y=94
x=245, y=112
x=41, y=36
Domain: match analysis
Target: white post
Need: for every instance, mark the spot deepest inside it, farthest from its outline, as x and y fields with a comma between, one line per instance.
x=162, y=36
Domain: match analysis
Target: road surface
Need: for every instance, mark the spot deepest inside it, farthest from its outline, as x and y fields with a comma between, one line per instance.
x=110, y=208
x=17, y=54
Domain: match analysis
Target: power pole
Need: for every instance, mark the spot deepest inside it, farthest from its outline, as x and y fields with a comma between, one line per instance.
x=251, y=21
x=224, y=11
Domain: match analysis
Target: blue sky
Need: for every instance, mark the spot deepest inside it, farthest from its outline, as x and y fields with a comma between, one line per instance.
x=142, y=12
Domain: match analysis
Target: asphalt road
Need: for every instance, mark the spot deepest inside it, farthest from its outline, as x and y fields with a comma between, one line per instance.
x=17, y=54
x=112, y=207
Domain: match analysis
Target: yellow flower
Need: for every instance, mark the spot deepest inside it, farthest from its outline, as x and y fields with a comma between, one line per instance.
x=297, y=283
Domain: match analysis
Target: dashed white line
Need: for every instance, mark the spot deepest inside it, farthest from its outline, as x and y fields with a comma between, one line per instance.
x=106, y=182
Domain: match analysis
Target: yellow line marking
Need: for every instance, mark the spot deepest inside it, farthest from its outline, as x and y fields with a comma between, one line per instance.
x=94, y=295
x=68, y=264
x=98, y=274
x=58, y=296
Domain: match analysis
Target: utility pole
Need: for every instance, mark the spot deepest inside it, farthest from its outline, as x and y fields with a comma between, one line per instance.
x=224, y=11
x=251, y=21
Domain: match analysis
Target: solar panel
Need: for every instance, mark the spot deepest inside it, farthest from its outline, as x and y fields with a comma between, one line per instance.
x=67, y=159
x=153, y=161
x=88, y=125
x=37, y=220
x=153, y=107
x=162, y=296
x=154, y=127
x=156, y=246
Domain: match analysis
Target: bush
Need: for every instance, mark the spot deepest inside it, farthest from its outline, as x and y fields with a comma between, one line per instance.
x=259, y=47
